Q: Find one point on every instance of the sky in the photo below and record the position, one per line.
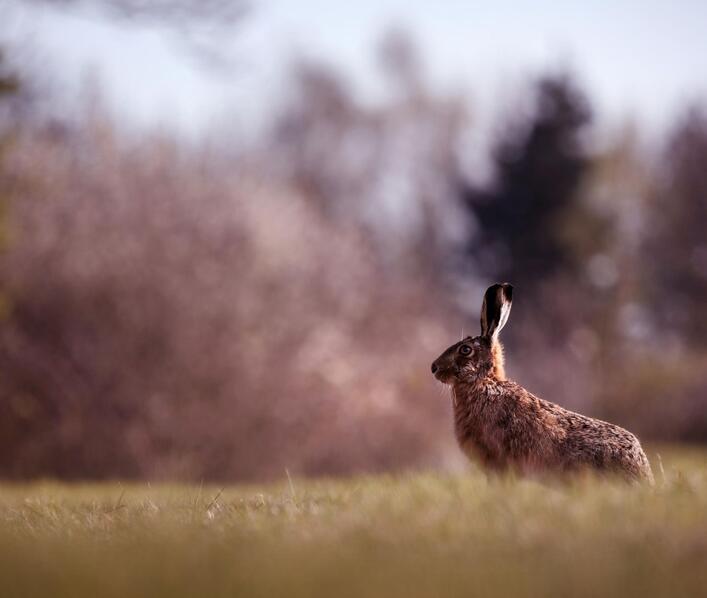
(640, 60)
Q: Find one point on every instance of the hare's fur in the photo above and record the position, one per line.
(503, 426)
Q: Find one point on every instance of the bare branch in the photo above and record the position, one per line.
(204, 28)
(176, 13)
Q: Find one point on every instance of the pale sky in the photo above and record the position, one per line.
(636, 59)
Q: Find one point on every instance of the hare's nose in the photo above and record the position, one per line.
(434, 368)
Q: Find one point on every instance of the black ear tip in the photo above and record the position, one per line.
(506, 290)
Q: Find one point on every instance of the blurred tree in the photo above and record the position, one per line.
(677, 245)
(179, 13)
(314, 134)
(539, 167)
(9, 88)
(9, 83)
(203, 27)
(391, 166)
(400, 62)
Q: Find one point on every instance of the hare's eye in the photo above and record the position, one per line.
(465, 349)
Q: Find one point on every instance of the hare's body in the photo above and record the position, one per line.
(502, 425)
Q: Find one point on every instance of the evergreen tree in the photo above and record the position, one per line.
(677, 243)
(539, 167)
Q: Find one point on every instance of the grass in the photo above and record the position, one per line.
(421, 534)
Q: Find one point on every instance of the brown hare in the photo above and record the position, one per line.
(504, 426)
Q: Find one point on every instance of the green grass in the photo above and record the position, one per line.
(408, 535)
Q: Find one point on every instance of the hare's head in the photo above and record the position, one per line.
(479, 356)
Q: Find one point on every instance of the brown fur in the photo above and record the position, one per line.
(499, 360)
(504, 426)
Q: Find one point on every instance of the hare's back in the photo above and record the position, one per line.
(602, 446)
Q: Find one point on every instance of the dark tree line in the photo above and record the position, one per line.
(677, 245)
(539, 166)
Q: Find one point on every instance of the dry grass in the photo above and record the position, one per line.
(408, 535)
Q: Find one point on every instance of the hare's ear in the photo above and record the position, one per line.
(495, 309)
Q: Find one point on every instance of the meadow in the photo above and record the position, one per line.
(411, 534)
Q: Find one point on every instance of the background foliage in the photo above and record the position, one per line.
(227, 309)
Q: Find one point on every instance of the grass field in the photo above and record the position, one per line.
(407, 535)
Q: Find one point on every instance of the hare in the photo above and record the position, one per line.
(506, 427)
